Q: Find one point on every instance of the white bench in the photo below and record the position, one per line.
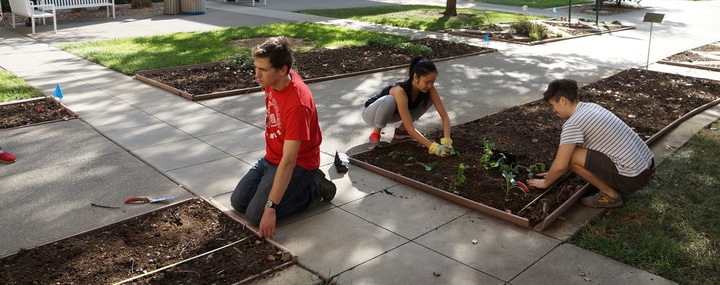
(32, 11)
(74, 4)
(253, 1)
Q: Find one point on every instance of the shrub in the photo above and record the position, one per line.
(530, 29)
(404, 47)
(240, 60)
(414, 49)
(382, 42)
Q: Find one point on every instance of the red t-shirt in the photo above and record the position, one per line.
(290, 114)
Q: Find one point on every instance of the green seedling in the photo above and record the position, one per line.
(492, 159)
(428, 166)
(461, 174)
(395, 154)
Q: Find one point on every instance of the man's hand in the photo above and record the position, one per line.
(439, 150)
(538, 183)
(267, 224)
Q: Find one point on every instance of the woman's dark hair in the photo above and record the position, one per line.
(420, 66)
(278, 50)
(567, 88)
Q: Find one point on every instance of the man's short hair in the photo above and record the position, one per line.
(278, 50)
(567, 88)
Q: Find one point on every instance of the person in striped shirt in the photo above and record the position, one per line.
(597, 146)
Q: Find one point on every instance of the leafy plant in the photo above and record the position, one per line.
(428, 166)
(531, 29)
(461, 174)
(404, 47)
(395, 154)
(243, 59)
(414, 49)
(493, 159)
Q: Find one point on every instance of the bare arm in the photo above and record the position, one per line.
(401, 100)
(560, 166)
(440, 107)
(280, 184)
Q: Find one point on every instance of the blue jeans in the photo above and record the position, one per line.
(253, 190)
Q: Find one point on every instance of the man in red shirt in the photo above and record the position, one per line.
(286, 180)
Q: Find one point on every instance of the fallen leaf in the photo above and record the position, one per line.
(437, 274)
(474, 241)
(39, 107)
(271, 257)
(587, 279)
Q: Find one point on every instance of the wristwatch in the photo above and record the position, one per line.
(271, 204)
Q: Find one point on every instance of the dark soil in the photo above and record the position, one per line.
(311, 65)
(703, 56)
(146, 243)
(29, 112)
(647, 101)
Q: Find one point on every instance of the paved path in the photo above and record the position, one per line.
(136, 139)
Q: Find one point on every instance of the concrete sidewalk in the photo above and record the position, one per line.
(135, 139)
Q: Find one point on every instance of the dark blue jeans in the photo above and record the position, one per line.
(251, 193)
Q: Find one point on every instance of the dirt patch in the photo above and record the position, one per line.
(647, 101)
(311, 65)
(30, 112)
(707, 56)
(147, 243)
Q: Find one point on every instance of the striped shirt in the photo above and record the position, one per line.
(594, 127)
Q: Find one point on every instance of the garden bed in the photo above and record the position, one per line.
(647, 101)
(30, 112)
(705, 57)
(558, 29)
(191, 242)
(214, 80)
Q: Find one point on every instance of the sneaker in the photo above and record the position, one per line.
(326, 187)
(6, 157)
(401, 134)
(374, 140)
(600, 200)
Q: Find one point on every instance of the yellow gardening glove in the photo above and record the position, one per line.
(447, 142)
(439, 150)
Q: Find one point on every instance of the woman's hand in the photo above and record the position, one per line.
(538, 183)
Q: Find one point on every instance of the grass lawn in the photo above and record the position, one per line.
(14, 88)
(128, 55)
(671, 227)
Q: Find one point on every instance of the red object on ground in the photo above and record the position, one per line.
(523, 186)
(7, 157)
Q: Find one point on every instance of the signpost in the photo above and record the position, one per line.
(652, 18)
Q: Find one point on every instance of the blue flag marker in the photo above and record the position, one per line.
(554, 9)
(58, 92)
(487, 38)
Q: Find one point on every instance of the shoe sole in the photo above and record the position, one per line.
(606, 206)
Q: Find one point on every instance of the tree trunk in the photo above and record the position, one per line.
(138, 4)
(450, 8)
